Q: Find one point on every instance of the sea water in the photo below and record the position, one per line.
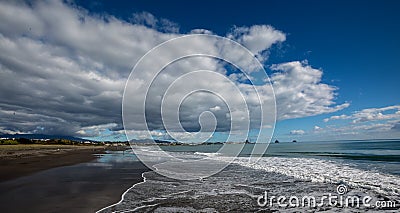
(317, 169)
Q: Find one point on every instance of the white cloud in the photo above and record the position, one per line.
(378, 123)
(95, 130)
(149, 20)
(377, 130)
(371, 114)
(297, 132)
(216, 108)
(257, 38)
(145, 18)
(201, 31)
(336, 117)
(300, 93)
(65, 71)
(317, 128)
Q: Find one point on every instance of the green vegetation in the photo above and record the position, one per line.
(44, 142)
(8, 142)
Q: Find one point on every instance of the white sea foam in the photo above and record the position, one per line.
(311, 169)
(208, 154)
(324, 171)
(245, 180)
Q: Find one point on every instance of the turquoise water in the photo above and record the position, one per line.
(384, 150)
(378, 155)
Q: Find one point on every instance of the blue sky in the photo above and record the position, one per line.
(354, 44)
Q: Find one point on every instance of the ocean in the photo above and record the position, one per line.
(328, 176)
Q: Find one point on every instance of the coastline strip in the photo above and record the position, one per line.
(123, 195)
(22, 160)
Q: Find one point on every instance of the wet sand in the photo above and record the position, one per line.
(20, 160)
(82, 187)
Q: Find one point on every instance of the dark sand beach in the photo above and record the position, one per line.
(64, 179)
(20, 160)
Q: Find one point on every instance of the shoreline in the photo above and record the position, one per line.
(122, 197)
(67, 180)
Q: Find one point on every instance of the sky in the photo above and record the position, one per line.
(333, 66)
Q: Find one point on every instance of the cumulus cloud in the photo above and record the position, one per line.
(300, 93)
(257, 38)
(63, 71)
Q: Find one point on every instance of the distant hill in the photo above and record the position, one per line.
(42, 136)
(150, 141)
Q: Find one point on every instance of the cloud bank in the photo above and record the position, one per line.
(63, 70)
(379, 122)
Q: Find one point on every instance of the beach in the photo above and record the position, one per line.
(64, 178)
(116, 181)
(207, 106)
(20, 160)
